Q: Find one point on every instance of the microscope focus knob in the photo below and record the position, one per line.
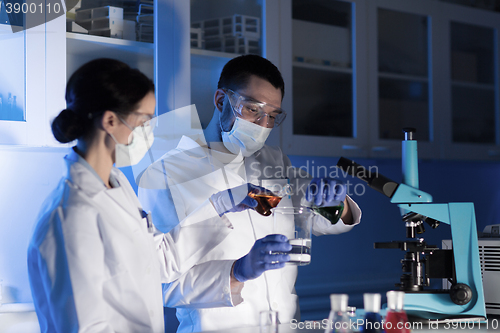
(460, 294)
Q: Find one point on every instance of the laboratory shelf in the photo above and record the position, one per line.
(394, 76)
(209, 53)
(5, 28)
(473, 85)
(17, 307)
(78, 43)
(81, 48)
(335, 69)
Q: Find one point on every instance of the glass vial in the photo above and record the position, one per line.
(396, 320)
(338, 320)
(373, 321)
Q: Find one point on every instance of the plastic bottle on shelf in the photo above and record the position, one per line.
(9, 103)
(338, 320)
(396, 320)
(373, 321)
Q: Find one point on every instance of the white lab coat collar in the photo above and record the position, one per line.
(82, 175)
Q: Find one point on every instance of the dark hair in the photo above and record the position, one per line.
(99, 85)
(236, 73)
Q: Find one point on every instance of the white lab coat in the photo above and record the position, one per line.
(178, 183)
(93, 265)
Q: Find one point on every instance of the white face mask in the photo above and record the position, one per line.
(131, 154)
(246, 137)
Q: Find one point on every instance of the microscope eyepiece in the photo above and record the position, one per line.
(409, 131)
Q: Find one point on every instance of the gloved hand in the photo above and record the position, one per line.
(261, 257)
(322, 191)
(235, 199)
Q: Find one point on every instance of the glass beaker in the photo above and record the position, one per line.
(296, 224)
(267, 200)
(269, 321)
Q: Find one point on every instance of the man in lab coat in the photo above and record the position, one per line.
(229, 154)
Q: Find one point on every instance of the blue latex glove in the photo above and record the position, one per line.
(322, 191)
(262, 258)
(235, 199)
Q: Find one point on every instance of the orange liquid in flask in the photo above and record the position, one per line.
(265, 202)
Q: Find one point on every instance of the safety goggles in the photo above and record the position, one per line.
(148, 123)
(252, 110)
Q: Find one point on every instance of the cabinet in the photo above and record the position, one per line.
(426, 64)
(327, 66)
(401, 45)
(12, 86)
(355, 73)
(471, 98)
(35, 71)
(45, 56)
(322, 70)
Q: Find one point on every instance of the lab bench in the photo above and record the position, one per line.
(16, 307)
(18, 317)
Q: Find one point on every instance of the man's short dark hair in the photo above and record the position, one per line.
(236, 73)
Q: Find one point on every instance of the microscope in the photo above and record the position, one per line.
(421, 262)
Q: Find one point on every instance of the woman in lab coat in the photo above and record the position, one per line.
(95, 261)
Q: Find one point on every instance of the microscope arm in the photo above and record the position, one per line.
(375, 180)
(398, 193)
(405, 194)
